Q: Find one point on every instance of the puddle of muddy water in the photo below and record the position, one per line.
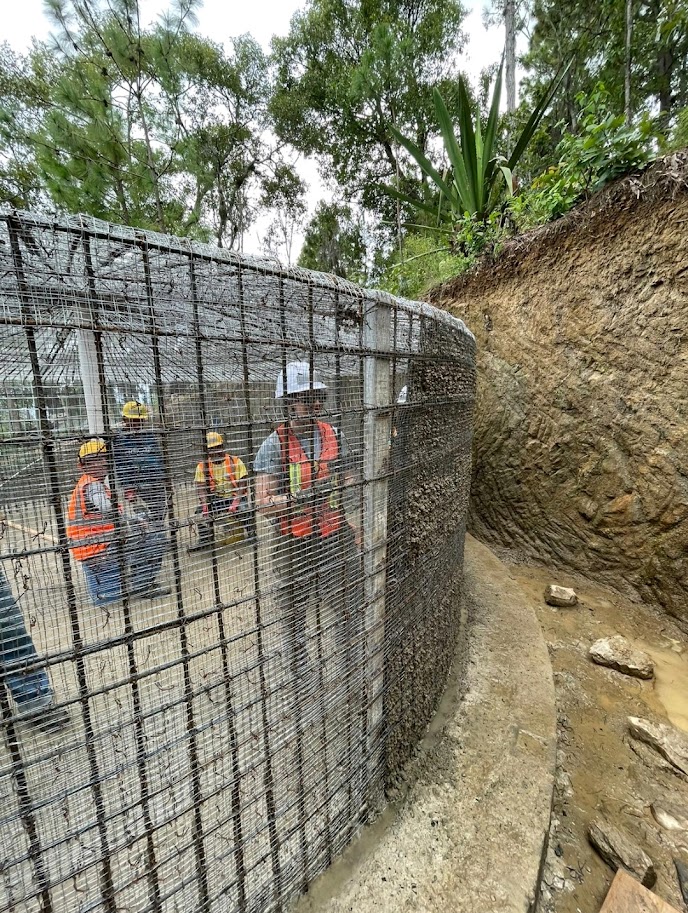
(671, 681)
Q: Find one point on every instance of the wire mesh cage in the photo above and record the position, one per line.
(232, 512)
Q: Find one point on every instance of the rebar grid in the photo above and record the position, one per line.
(202, 712)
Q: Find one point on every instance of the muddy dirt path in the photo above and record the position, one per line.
(601, 769)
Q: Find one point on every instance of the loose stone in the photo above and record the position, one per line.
(617, 653)
(620, 852)
(560, 596)
(670, 743)
(669, 817)
(682, 875)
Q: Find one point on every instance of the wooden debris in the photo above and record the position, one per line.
(627, 895)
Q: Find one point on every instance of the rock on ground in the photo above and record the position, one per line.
(669, 817)
(670, 743)
(620, 852)
(682, 875)
(560, 596)
(618, 653)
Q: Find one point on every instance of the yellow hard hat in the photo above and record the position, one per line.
(95, 447)
(134, 410)
(213, 439)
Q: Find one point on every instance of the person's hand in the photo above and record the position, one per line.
(323, 489)
(233, 507)
(204, 510)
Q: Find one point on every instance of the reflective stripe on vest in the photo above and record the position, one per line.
(84, 524)
(297, 470)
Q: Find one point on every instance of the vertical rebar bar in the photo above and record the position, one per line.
(226, 673)
(268, 777)
(48, 447)
(291, 612)
(319, 589)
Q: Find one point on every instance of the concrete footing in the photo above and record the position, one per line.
(468, 834)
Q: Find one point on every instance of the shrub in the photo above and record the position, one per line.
(605, 148)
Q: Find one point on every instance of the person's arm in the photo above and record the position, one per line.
(268, 499)
(201, 488)
(96, 496)
(240, 493)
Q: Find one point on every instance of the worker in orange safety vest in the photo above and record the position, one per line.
(91, 530)
(304, 470)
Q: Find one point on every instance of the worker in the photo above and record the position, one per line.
(222, 487)
(303, 470)
(25, 679)
(92, 531)
(139, 463)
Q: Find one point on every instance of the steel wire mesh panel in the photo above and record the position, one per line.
(232, 511)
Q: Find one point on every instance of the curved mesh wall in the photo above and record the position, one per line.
(225, 627)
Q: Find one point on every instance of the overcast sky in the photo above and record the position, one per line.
(222, 19)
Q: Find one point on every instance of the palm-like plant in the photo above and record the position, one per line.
(477, 176)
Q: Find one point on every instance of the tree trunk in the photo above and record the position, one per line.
(510, 53)
(628, 111)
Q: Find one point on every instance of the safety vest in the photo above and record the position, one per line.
(327, 517)
(84, 524)
(231, 466)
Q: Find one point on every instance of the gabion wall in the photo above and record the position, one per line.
(217, 645)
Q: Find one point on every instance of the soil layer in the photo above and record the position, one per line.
(581, 438)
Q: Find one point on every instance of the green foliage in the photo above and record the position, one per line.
(604, 148)
(425, 263)
(153, 127)
(20, 183)
(348, 70)
(478, 176)
(593, 35)
(679, 135)
(334, 243)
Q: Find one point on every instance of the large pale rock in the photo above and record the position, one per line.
(620, 852)
(560, 596)
(617, 653)
(670, 817)
(669, 742)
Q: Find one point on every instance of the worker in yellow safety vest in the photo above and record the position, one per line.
(304, 469)
(222, 488)
(91, 530)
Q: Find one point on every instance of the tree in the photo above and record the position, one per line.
(349, 70)
(20, 182)
(334, 243)
(284, 195)
(154, 127)
(642, 61)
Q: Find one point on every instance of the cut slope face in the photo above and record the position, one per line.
(581, 440)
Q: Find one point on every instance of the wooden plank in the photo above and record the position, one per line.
(627, 895)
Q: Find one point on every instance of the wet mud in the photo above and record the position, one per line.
(600, 768)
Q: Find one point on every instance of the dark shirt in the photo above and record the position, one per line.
(139, 465)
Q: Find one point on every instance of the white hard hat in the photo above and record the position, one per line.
(298, 380)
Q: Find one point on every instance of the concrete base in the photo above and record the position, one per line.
(468, 834)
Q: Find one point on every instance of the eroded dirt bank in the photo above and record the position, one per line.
(581, 440)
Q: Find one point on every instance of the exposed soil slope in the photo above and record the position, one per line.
(581, 443)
